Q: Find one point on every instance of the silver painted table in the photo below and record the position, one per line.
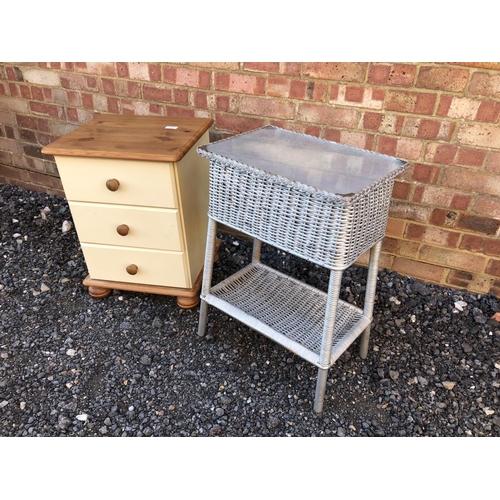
(319, 200)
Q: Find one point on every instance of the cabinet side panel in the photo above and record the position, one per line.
(193, 178)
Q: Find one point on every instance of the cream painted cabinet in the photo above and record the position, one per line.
(138, 195)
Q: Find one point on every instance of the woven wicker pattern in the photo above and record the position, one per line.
(327, 229)
(294, 310)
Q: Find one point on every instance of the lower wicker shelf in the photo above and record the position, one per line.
(286, 310)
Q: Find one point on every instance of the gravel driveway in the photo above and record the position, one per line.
(132, 364)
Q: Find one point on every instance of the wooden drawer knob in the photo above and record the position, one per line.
(112, 184)
(132, 269)
(122, 229)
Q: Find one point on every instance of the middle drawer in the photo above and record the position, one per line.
(127, 226)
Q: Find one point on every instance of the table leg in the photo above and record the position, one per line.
(257, 244)
(207, 274)
(371, 284)
(327, 340)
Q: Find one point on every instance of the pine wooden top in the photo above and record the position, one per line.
(132, 137)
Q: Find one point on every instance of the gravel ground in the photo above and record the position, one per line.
(132, 364)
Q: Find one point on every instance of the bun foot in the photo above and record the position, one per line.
(188, 302)
(99, 293)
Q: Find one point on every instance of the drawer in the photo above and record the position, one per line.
(141, 183)
(154, 228)
(154, 267)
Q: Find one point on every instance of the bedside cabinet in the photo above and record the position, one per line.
(138, 195)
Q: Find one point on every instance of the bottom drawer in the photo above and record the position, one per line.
(153, 267)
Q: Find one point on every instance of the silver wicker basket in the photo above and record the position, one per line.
(328, 228)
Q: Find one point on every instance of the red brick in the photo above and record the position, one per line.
(493, 267)
(432, 235)
(395, 227)
(37, 93)
(334, 92)
(493, 162)
(328, 115)
(26, 122)
(347, 72)
(480, 244)
(226, 103)
(87, 101)
(473, 181)
(181, 96)
(113, 105)
(72, 114)
(478, 224)
(122, 69)
(237, 123)
(453, 259)
(401, 190)
(263, 67)
(470, 157)
(157, 93)
(444, 105)
(427, 272)
(372, 121)
(485, 84)
(108, 86)
(443, 218)
(438, 78)
(154, 72)
(199, 100)
(267, 107)
(487, 205)
(410, 102)
(354, 94)
(399, 75)
(280, 87)
(298, 89)
(387, 145)
(489, 111)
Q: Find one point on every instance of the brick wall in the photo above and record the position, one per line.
(443, 117)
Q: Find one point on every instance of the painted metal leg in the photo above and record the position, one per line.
(371, 285)
(320, 390)
(328, 337)
(257, 244)
(207, 274)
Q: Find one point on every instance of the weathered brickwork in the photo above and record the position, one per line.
(444, 223)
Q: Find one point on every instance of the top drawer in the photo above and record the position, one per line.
(142, 183)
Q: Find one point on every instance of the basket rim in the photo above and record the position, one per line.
(305, 188)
